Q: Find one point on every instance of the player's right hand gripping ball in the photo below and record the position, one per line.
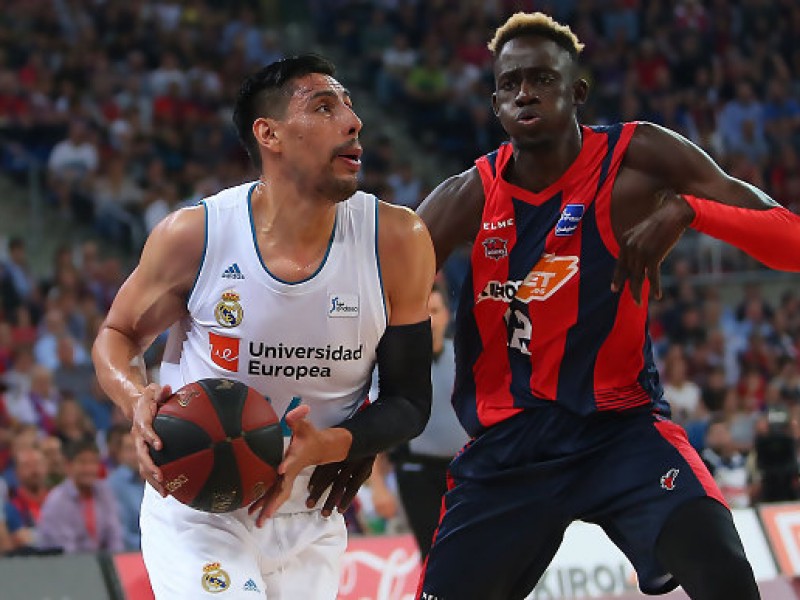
(222, 443)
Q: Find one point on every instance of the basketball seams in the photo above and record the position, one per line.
(222, 444)
(227, 398)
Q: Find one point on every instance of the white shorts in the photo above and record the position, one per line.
(191, 554)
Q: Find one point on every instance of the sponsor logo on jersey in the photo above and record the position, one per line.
(570, 218)
(250, 586)
(233, 272)
(283, 360)
(544, 280)
(214, 579)
(224, 351)
(494, 226)
(495, 248)
(229, 312)
(668, 479)
(343, 305)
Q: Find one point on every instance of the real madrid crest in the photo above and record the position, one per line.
(228, 312)
(214, 579)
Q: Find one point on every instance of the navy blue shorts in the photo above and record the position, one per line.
(514, 490)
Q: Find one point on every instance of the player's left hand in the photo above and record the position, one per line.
(308, 447)
(343, 478)
(644, 246)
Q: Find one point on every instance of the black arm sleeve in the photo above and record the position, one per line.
(403, 406)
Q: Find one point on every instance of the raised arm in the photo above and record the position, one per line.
(150, 300)
(695, 192)
(679, 165)
(452, 212)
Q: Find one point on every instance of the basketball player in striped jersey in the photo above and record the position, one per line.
(555, 377)
(295, 284)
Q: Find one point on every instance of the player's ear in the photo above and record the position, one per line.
(494, 104)
(580, 91)
(266, 135)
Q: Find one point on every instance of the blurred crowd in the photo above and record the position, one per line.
(123, 109)
(724, 73)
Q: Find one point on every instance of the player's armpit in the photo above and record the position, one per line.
(771, 236)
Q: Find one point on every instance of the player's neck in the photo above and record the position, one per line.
(293, 233)
(290, 217)
(537, 167)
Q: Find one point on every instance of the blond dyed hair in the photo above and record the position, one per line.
(537, 23)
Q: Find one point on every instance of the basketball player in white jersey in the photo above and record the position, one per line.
(295, 284)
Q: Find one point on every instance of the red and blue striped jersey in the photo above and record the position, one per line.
(537, 324)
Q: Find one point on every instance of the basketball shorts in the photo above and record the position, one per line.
(513, 491)
(191, 554)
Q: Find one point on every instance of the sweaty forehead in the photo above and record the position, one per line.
(307, 86)
(532, 52)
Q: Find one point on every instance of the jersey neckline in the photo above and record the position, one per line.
(261, 258)
(542, 196)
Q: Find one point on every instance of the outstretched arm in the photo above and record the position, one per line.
(710, 201)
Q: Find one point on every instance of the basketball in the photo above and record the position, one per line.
(222, 443)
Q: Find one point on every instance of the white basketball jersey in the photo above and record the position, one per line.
(311, 342)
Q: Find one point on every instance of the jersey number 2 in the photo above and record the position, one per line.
(519, 330)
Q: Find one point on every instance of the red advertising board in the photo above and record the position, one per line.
(380, 568)
(373, 568)
(133, 577)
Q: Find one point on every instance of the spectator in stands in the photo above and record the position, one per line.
(682, 394)
(23, 436)
(80, 514)
(71, 376)
(54, 457)
(397, 62)
(406, 185)
(128, 487)
(744, 108)
(72, 424)
(425, 89)
(20, 286)
(26, 498)
(39, 405)
(46, 347)
(71, 164)
(727, 464)
(117, 203)
(114, 438)
(6, 542)
(775, 453)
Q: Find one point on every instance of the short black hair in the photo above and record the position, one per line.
(264, 94)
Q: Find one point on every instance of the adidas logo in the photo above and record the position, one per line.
(233, 272)
(250, 586)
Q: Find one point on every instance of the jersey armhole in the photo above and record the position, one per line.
(603, 202)
(378, 264)
(190, 295)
